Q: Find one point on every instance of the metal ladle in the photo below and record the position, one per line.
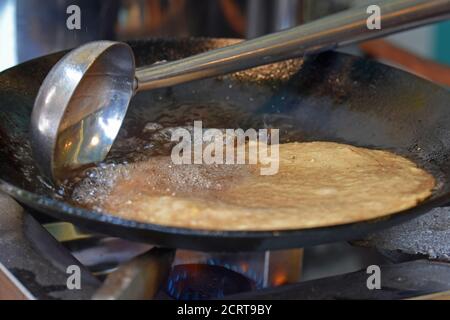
(83, 100)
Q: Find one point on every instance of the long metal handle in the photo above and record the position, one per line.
(334, 31)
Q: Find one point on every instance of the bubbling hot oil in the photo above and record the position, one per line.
(144, 167)
(154, 177)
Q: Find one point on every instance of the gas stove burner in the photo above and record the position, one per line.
(203, 282)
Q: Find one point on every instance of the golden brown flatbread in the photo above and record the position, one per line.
(318, 184)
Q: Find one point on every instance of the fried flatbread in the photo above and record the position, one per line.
(318, 184)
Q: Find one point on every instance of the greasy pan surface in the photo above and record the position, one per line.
(329, 97)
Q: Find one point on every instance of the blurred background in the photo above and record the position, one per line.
(31, 28)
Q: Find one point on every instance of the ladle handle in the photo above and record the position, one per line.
(331, 32)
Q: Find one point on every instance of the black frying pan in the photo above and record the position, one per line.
(331, 97)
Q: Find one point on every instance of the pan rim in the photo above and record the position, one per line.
(104, 217)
